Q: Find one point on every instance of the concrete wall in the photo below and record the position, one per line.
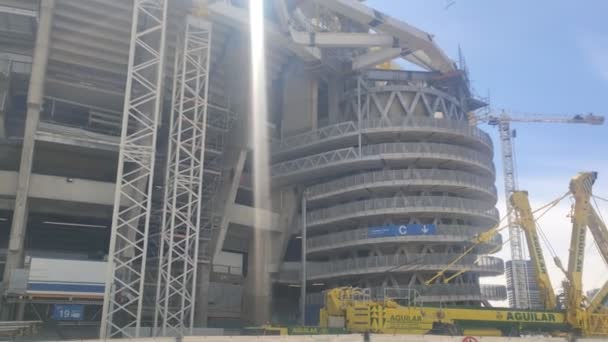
(300, 101)
(60, 188)
(245, 215)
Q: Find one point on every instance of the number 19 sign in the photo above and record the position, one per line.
(68, 312)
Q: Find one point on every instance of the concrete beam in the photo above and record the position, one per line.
(60, 188)
(239, 18)
(245, 216)
(229, 200)
(341, 39)
(14, 258)
(64, 135)
(374, 58)
(424, 51)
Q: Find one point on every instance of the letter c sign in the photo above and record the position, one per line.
(403, 230)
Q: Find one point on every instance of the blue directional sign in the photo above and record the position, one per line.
(401, 230)
(68, 312)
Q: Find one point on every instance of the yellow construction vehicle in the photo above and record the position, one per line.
(354, 310)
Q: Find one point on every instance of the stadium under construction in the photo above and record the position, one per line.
(128, 145)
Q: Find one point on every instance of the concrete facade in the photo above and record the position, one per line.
(367, 150)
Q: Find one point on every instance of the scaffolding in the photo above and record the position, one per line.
(123, 299)
(181, 223)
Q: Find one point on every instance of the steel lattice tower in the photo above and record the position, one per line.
(184, 183)
(124, 287)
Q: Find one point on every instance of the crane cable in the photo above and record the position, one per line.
(541, 233)
(449, 265)
(498, 228)
(600, 198)
(599, 213)
(597, 207)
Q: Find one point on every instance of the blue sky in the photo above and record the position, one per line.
(538, 56)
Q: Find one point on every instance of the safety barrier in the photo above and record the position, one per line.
(433, 151)
(357, 236)
(402, 205)
(368, 126)
(401, 263)
(403, 177)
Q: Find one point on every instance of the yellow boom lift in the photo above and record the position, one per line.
(354, 310)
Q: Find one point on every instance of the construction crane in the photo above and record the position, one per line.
(354, 309)
(525, 219)
(503, 121)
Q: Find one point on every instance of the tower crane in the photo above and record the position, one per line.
(502, 120)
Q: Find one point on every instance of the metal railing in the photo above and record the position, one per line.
(324, 133)
(329, 241)
(430, 177)
(228, 269)
(431, 293)
(380, 151)
(425, 123)
(348, 128)
(402, 263)
(487, 265)
(434, 150)
(403, 204)
(79, 115)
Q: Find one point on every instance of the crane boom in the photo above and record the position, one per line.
(502, 120)
(589, 119)
(600, 235)
(525, 219)
(580, 187)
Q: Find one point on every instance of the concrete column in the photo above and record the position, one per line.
(300, 100)
(15, 253)
(258, 285)
(226, 197)
(5, 73)
(334, 89)
(201, 308)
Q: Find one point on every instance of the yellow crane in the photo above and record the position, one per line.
(525, 219)
(502, 120)
(354, 310)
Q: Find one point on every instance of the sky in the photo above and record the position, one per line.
(541, 56)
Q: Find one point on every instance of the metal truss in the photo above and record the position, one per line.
(384, 151)
(520, 291)
(184, 188)
(123, 299)
(341, 129)
(377, 102)
(315, 161)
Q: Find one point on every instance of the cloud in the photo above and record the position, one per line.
(595, 50)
